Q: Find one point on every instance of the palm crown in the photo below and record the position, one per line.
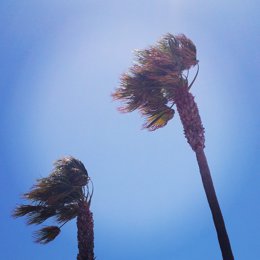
(59, 196)
(151, 83)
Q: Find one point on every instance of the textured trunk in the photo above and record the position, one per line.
(194, 132)
(85, 227)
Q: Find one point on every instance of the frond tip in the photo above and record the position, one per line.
(46, 234)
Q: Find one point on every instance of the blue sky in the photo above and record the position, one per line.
(60, 62)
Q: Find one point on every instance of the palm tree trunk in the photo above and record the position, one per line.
(194, 133)
(214, 206)
(85, 227)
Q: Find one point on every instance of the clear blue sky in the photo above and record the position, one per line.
(59, 63)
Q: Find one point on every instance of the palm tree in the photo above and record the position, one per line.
(154, 84)
(63, 195)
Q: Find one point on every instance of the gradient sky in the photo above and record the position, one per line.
(59, 63)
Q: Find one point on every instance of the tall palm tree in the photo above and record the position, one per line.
(63, 195)
(154, 84)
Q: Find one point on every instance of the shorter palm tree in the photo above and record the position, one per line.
(63, 196)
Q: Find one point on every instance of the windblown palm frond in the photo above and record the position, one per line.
(46, 234)
(35, 214)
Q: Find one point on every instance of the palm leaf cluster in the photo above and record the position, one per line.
(151, 83)
(56, 196)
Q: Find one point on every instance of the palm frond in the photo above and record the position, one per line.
(38, 217)
(46, 234)
(36, 214)
(46, 194)
(23, 210)
(159, 119)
